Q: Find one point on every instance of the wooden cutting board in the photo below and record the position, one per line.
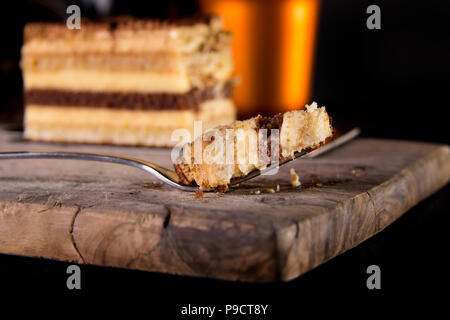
(111, 215)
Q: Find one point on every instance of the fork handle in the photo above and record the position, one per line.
(162, 174)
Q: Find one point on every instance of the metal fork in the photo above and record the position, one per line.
(167, 176)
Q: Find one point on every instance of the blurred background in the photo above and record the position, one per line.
(393, 83)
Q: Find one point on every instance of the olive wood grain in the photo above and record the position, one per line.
(107, 214)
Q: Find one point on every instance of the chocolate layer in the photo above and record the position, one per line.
(269, 123)
(128, 100)
(181, 175)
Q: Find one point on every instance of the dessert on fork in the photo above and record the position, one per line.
(235, 150)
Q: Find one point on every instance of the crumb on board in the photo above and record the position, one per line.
(295, 182)
(278, 188)
(198, 194)
(356, 173)
(270, 190)
(258, 192)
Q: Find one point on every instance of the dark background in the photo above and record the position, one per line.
(393, 83)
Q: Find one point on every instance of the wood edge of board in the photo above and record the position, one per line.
(304, 249)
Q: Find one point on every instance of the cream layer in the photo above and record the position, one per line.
(156, 62)
(109, 81)
(151, 73)
(120, 81)
(101, 125)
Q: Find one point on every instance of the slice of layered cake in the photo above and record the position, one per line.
(125, 80)
(235, 150)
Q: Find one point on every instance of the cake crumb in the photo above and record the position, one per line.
(198, 194)
(295, 182)
(270, 190)
(257, 192)
(319, 185)
(278, 188)
(356, 173)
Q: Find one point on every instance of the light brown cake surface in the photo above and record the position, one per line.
(242, 151)
(127, 35)
(128, 74)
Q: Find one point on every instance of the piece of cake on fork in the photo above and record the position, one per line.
(235, 150)
(126, 81)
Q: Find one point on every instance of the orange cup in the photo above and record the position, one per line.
(273, 49)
